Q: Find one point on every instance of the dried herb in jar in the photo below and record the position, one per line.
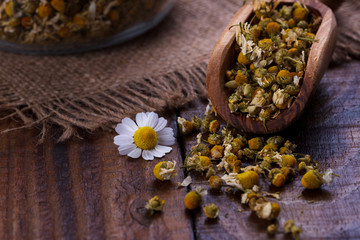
(53, 21)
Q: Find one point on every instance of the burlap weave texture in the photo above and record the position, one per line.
(164, 68)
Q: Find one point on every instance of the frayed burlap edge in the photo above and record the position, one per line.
(102, 109)
(105, 108)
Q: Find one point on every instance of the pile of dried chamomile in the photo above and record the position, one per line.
(271, 54)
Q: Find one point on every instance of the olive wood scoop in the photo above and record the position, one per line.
(223, 57)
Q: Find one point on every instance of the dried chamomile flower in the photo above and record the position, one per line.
(217, 152)
(266, 163)
(278, 180)
(193, 199)
(271, 229)
(248, 179)
(202, 163)
(211, 211)
(281, 99)
(312, 180)
(155, 204)
(214, 126)
(267, 210)
(284, 77)
(201, 148)
(302, 167)
(236, 145)
(307, 159)
(185, 126)
(250, 154)
(196, 122)
(255, 168)
(230, 157)
(214, 139)
(290, 227)
(288, 172)
(190, 162)
(243, 59)
(165, 170)
(272, 28)
(256, 143)
(44, 10)
(215, 182)
(232, 180)
(260, 205)
(210, 172)
(269, 147)
(290, 146)
(209, 109)
(232, 85)
(288, 161)
(300, 14)
(235, 167)
(58, 5)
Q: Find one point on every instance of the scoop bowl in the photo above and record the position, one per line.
(222, 59)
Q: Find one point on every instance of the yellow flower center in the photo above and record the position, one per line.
(145, 138)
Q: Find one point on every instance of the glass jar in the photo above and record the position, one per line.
(68, 26)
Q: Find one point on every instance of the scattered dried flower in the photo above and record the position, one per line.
(165, 170)
(290, 227)
(215, 182)
(193, 199)
(211, 211)
(155, 204)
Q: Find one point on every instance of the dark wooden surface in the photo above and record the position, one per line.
(83, 189)
(222, 59)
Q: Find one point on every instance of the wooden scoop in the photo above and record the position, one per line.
(223, 57)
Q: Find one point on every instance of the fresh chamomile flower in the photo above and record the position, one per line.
(148, 137)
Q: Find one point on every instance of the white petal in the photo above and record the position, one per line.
(166, 136)
(166, 141)
(163, 149)
(123, 140)
(135, 153)
(187, 181)
(124, 129)
(147, 155)
(141, 119)
(126, 149)
(157, 153)
(161, 124)
(166, 131)
(152, 120)
(130, 123)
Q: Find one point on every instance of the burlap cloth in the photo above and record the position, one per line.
(164, 68)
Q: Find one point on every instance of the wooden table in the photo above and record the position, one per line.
(83, 189)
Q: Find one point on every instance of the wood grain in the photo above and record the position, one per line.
(223, 56)
(83, 189)
(329, 131)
